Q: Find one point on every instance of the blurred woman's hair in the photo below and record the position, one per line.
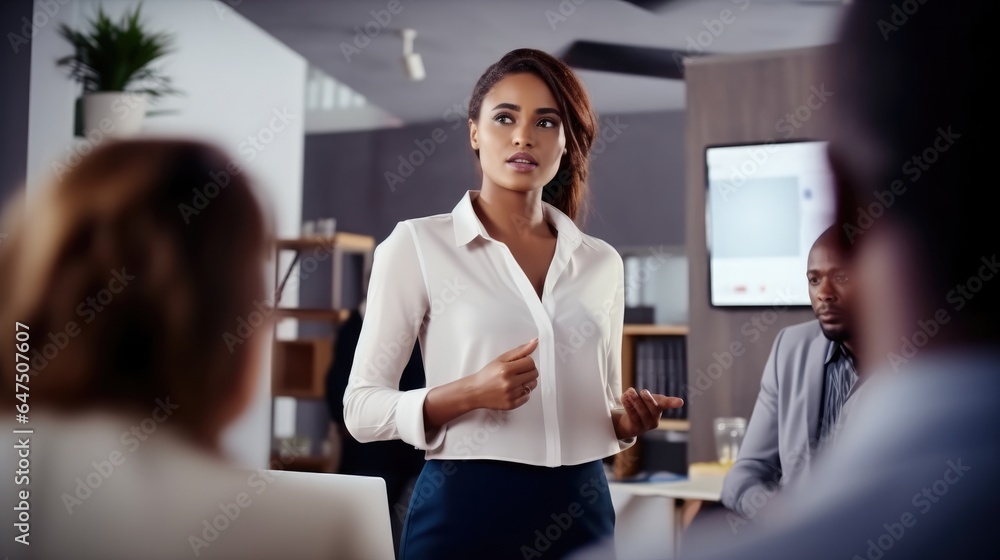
(129, 282)
(568, 190)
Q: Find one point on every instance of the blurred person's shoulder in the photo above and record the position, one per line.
(937, 399)
(114, 487)
(918, 450)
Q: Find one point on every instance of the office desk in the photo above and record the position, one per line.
(685, 499)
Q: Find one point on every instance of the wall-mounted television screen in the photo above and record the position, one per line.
(766, 204)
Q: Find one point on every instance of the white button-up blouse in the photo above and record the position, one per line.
(443, 280)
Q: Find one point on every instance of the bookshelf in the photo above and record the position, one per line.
(299, 366)
(628, 462)
(322, 248)
(306, 314)
(674, 425)
(301, 463)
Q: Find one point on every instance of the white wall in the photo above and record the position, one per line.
(235, 79)
(50, 110)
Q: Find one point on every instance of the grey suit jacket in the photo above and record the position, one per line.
(781, 437)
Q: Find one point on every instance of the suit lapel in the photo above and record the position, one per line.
(815, 376)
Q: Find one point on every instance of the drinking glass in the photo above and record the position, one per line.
(327, 227)
(729, 434)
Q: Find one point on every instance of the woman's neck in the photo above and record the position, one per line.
(508, 214)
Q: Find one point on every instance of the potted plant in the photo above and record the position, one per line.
(114, 63)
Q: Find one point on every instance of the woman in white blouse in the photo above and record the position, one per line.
(519, 317)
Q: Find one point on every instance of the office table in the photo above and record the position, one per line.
(685, 498)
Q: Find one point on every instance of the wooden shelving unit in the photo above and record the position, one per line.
(627, 462)
(307, 314)
(300, 366)
(674, 425)
(316, 464)
(324, 247)
(347, 241)
(647, 330)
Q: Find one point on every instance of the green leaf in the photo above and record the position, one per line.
(110, 56)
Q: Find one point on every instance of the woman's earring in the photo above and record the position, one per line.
(565, 151)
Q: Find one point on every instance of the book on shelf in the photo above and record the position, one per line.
(676, 365)
(661, 368)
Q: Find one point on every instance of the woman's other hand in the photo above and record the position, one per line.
(642, 412)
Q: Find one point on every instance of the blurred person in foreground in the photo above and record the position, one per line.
(912, 473)
(913, 470)
(127, 303)
(807, 379)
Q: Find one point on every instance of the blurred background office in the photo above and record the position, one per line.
(351, 116)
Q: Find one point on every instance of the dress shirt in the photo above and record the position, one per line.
(444, 281)
(838, 382)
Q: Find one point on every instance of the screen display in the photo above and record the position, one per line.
(766, 205)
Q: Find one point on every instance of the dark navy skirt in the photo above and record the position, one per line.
(481, 509)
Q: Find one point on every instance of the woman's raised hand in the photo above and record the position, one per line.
(506, 382)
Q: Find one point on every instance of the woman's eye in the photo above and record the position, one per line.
(547, 123)
(503, 119)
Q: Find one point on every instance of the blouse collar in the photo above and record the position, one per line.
(467, 224)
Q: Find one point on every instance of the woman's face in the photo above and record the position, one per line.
(519, 134)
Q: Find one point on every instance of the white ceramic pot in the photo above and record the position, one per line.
(114, 113)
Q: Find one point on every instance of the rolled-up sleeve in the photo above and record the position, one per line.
(374, 407)
(616, 319)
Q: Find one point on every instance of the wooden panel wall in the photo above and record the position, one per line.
(738, 99)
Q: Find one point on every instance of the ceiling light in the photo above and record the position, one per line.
(412, 61)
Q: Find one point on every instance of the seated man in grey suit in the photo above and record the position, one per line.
(808, 376)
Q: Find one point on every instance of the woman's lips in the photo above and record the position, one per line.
(522, 162)
(521, 166)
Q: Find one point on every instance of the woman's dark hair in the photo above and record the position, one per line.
(129, 272)
(568, 190)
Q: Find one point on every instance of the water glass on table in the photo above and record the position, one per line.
(729, 434)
